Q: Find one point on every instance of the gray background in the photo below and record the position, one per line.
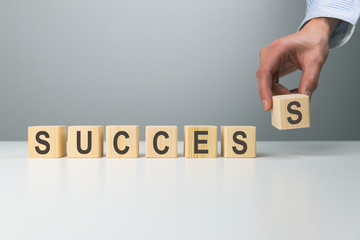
(151, 62)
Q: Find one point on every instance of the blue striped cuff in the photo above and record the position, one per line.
(348, 14)
(341, 34)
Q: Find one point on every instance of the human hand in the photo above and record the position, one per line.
(306, 50)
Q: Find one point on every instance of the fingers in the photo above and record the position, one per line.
(278, 89)
(267, 74)
(295, 90)
(265, 84)
(302, 50)
(311, 68)
(310, 78)
(287, 68)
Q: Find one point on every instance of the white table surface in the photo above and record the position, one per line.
(292, 190)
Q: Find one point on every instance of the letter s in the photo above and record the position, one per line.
(293, 111)
(44, 142)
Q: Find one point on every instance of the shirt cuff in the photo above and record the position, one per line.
(341, 34)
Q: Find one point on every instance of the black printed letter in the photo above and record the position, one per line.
(78, 143)
(117, 135)
(241, 142)
(47, 145)
(197, 141)
(157, 150)
(293, 111)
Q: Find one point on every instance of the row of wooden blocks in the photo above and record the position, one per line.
(288, 112)
(123, 141)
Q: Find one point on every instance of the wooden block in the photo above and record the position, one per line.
(122, 141)
(85, 141)
(200, 141)
(238, 141)
(46, 141)
(291, 111)
(161, 141)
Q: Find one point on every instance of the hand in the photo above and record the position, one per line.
(306, 50)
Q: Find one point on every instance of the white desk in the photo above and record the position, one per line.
(293, 190)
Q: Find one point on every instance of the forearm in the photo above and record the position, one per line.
(322, 26)
(347, 11)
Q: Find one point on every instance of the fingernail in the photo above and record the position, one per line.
(265, 104)
(307, 92)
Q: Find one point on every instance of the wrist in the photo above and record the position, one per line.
(323, 26)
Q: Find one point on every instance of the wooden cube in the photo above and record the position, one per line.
(46, 141)
(161, 141)
(238, 141)
(122, 141)
(85, 141)
(200, 141)
(291, 111)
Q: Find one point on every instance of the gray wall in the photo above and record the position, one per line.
(159, 62)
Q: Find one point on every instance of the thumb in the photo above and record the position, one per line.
(309, 79)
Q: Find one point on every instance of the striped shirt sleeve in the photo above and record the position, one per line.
(347, 11)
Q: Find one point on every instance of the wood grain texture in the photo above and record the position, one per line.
(291, 111)
(161, 141)
(55, 136)
(238, 141)
(122, 141)
(200, 141)
(95, 150)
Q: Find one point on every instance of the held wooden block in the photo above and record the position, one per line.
(238, 141)
(200, 141)
(161, 141)
(46, 141)
(291, 111)
(85, 141)
(122, 141)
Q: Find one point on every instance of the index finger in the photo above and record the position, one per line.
(269, 65)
